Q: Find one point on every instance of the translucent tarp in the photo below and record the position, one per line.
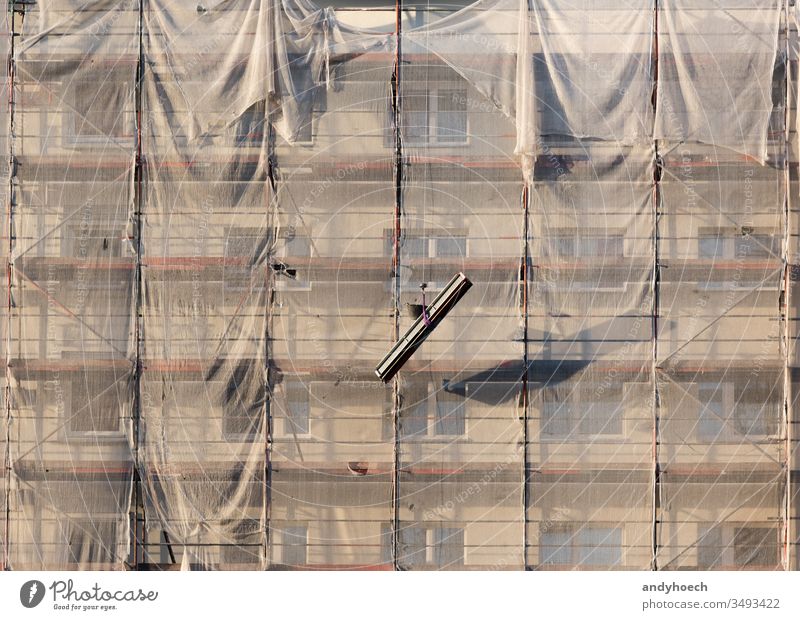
(72, 354)
(715, 62)
(332, 316)
(220, 218)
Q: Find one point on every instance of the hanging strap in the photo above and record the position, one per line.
(425, 318)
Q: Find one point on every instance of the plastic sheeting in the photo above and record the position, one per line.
(217, 219)
(71, 354)
(716, 62)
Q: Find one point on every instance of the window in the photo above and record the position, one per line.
(413, 546)
(752, 245)
(294, 549)
(250, 130)
(600, 546)
(436, 413)
(742, 243)
(722, 545)
(450, 418)
(425, 244)
(92, 540)
(294, 243)
(711, 246)
(243, 242)
(243, 406)
(101, 107)
(555, 547)
(93, 242)
(447, 546)
(434, 116)
(571, 544)
(96, 406)
(581, 411)
(755, 546)
(586, 243)
(758, 407)
(711, 423)
(245, 546)
(241, 246)
(749, 406)
(296, 409)
(414, 416)
(709, 547)
(438, 546)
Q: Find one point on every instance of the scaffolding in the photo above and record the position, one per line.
(217, 219)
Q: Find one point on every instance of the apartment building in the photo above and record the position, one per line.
(201, 280)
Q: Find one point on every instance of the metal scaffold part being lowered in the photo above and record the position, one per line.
(431, 316)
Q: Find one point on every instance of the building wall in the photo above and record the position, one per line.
(195, 309)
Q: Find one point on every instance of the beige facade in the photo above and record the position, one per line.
(196, 300)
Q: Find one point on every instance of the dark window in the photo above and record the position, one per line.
(414, 247)
(241, 417)
(582, 410)
(243, 242)
(750, 245)
(450, 413)
(244, 548)
(413, 546)
(414, 122)
(710, 548)
(434, 116)
(92, 540)
(414, 413)
(600, 546)
(585, 244)
(570, 544)
(711, 422)
(419, 244)
(250, 130)
(99, 105)
(711, 246)
(96, 406)
(451, 116)
(448, 546)
(758, 406)
(555, 546)
(93, 243)
(455, 246)
(297, 409)
(755, 546)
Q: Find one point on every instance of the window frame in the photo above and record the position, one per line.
(728, 241)
(729, 420)
(92, 522)
(431, 138)
(71, 433)
(71, 112)
(426, 549)
(573, 433)
(284, 429)
(574, 544)
(428, 432)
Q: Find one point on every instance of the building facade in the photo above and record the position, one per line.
(217, 218)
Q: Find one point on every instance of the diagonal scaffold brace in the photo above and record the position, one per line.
(431, 316)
